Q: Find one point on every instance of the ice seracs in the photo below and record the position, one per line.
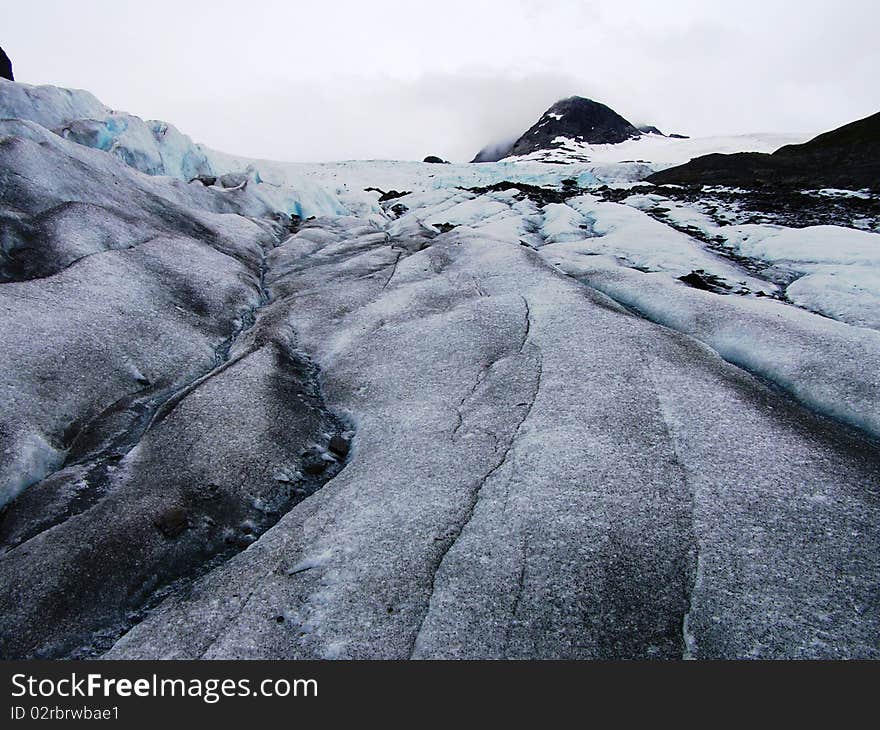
(152, 147)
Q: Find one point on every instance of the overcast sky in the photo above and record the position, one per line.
(339, 79)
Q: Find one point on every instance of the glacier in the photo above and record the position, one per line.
(389, 409)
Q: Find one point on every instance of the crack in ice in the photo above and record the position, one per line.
(458, 528)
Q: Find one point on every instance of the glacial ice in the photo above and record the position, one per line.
(553, 465)
(560, 449)
(827, 269)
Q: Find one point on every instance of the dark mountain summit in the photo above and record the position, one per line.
(575, 118)
(848, 157)
(5, 66)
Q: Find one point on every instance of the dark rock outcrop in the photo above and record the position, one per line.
(339, 445)
(848, 157)
(575, 118)
(435, 160)
(5, 66)
(206, 180)
(390, 195)
(649, 129)
(700, 279)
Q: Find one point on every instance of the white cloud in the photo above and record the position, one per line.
(299, 80)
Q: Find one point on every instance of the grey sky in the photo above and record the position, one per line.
(392, 79)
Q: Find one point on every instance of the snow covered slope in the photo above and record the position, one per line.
(512, 409)
(657, 152)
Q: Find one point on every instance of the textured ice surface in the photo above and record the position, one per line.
(538, 473)
(831, 366)
(640, 242)
(560, 449)
(827, 269)
(150, 391)
(127, 279)
(838, 268)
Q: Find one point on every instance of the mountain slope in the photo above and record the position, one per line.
(848, 157)
(575, 118)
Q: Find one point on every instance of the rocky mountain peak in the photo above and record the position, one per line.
(575, 118)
